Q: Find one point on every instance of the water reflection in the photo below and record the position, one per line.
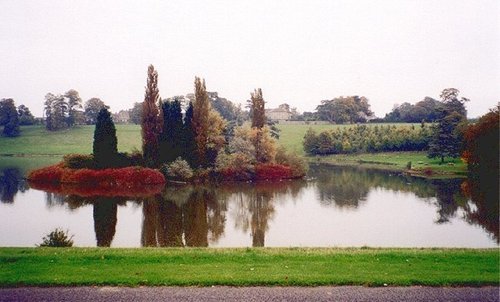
(11, 181)
(197, 216)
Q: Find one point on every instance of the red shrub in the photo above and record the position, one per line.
(232, 174)
(86, 190)
(126, 177)
(50, 174)
(272, 172)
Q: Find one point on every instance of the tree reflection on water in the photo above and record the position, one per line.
(188, 215)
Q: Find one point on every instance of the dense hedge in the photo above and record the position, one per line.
(362, 138)
(123, 177)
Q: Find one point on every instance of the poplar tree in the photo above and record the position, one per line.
(258, 111)
(151, 121)
(200, 121)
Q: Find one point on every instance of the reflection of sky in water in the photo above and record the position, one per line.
(339, 207)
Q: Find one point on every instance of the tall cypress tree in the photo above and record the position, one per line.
(171, 142)
(105, 141)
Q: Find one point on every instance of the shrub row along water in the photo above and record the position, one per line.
(362, 138)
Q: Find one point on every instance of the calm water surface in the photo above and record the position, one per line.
(332, 207)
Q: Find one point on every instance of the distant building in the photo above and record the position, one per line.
(282, 113)
(121, 117)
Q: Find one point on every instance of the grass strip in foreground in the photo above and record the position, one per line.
(247, 267)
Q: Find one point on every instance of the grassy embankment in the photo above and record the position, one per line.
(239, 267)
(35, 140)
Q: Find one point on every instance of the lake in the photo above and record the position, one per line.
(332, 207)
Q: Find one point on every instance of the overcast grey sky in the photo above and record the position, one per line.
(299, 52)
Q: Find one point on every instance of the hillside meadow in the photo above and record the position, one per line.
(37, 141)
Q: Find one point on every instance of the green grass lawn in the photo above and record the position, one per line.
(251, 266)
(35, 140)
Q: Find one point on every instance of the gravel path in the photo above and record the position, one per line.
(222, 293)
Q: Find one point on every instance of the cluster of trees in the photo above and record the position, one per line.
(11, 118)
(342, 110)
(66, 110)
(362, 138)
(444, 139)
(426, 110)
(201, 137)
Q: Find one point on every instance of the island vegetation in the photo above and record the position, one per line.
(194, 147)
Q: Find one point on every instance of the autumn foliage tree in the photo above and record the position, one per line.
(481, 144)
(208, 127)
(151, 120)
(265, 149)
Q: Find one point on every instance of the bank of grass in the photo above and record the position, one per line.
(397, 161)
(248, 267)
(36, 141)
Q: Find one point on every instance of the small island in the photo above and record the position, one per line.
(197, 145)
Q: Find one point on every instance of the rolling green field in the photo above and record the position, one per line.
(247, 267)
(35, 141)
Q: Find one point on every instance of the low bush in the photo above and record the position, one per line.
(50, 174)
(235, 167)
(79, 161)
(272, 172)
(129, 176)
(296, 163)
(89, 190)
(177, 170)
(57, 238)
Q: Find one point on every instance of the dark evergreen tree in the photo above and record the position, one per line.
(171, 136)
(105, 142)
(188, 143)
(9, 118)
(448, 133)
(447, 139)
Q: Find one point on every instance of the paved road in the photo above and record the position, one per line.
(222, 293)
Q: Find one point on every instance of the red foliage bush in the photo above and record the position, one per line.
(86, 190)
(50, 174)
(272, 172)
(123, 177)
(232, 174)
